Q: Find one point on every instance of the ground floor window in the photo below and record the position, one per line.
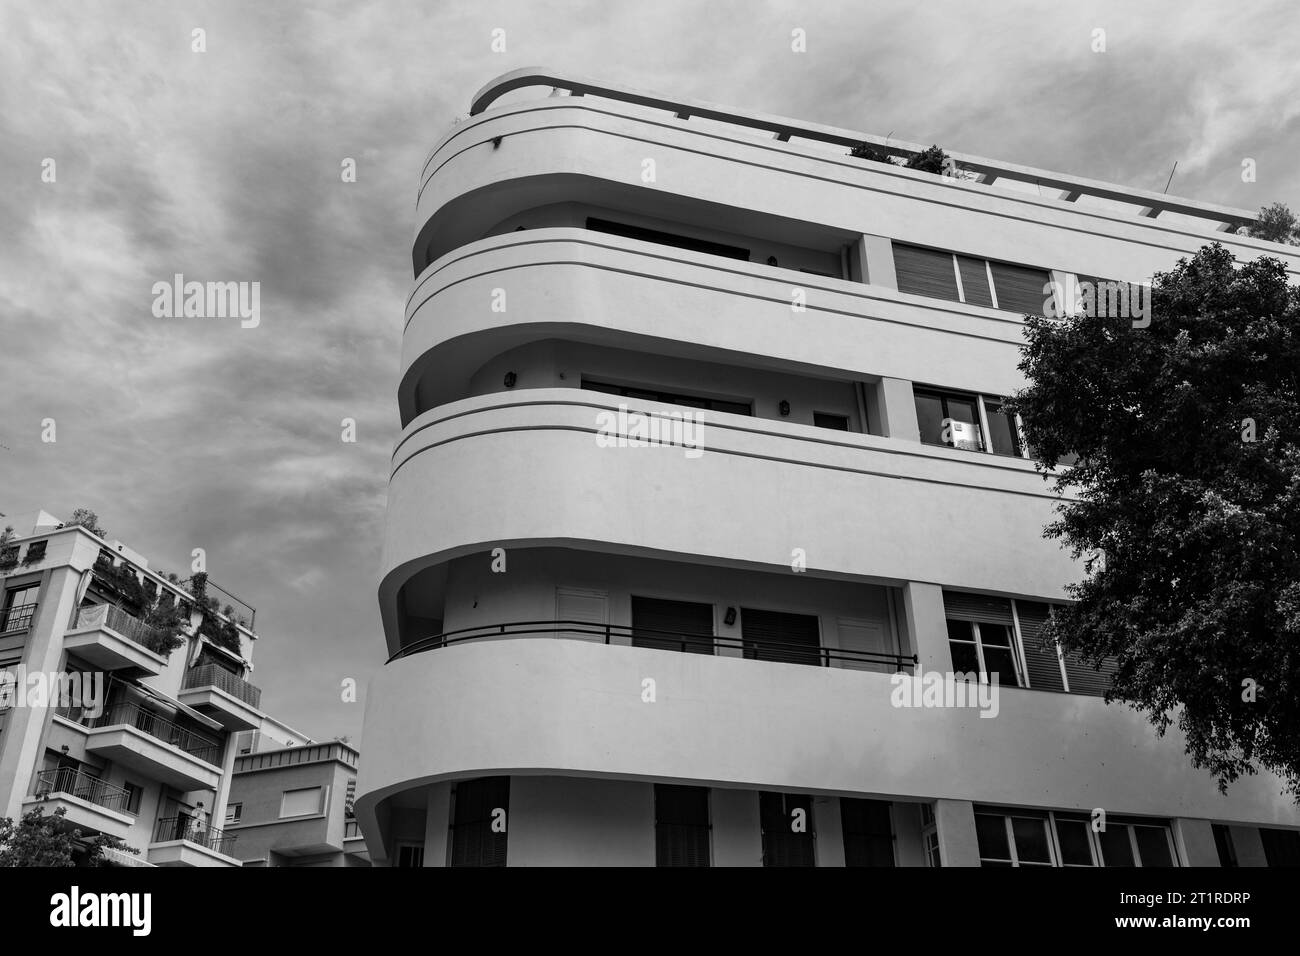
(681, 825)
(479, 822)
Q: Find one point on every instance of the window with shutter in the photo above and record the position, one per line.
(787, 824)
(1281, 847)
(672, 625)
(1042, 662)
(581, 607)
(1022, 289)
(923, 271)
(681, 825)
(1085, 678)
(981, 636)
(781, 636)
(868, 832)
(974, 281)
(476, 806)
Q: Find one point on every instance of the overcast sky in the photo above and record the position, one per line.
(225, 165)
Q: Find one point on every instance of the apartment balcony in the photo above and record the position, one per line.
(593, 287)
(156, 747)
(177, 841)
(92, 805)
(223, 696)
(110, 639)
(859, 506)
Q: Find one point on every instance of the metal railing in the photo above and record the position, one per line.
(128, 625)
(83, 786)
(160, 728)
(186, 828)
(16, 618)
(786, 652)
(213, 675)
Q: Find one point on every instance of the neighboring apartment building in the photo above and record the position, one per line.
(151, 762)
(604, 653)
(292, 805)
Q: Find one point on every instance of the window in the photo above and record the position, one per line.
(8, 684)
(134, 794)
(1223, 844)
(1281, 847)
(828, 420)
(19, 608)
(667, 238)
(780, 636)
(681, 826)
(299, 803)
(971, 279)
(930, 836)
(410, 855)
(946, 418)
(350, 799)
(672, 625)
(479, 822)
(234, 811)
(868, 832)
(1004, 436)
(670, 398)
(787, 823)
(1047, 838)
(35, 552)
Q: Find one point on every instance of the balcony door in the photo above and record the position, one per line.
(672, 625)
(780, 636)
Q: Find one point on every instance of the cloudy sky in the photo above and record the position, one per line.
(225, 165)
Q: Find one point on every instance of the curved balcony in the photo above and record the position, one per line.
(525, 469)
(564, 149)
(587, 286)
(571, 707)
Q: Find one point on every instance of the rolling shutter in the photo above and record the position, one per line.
(681, 825)
(1020, 288)
(473, 842)
(868, 832)
(1085, 679)
(1041, 661)
(782, 846)
(925, 272)
(780, 636)
(581, 607)
(974, 281)
(672, 625)
(976, 607)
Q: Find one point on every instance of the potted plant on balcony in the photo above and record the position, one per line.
(8, 552)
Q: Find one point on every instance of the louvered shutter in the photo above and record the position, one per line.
(780, 636)
(974, 281)
(868, 832)
(1020, 289)
(925, 272)
(1085, 679)
(681, 825)
(782, 846)
(473, 843)
(1041, 660)
(672, 625)
(976, 607)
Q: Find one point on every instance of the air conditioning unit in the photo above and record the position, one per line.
(963, 434)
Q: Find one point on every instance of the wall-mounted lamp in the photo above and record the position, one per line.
(730, 617)
(771, 260)
(511, 379)
(496, 142)
(785, 408)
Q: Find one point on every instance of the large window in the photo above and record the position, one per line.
(19, 608)
(868, 832)
(972, 280)
(988, 634)
(672, 625)
(681, 825)
(301, 803)
(969, 422)
(1038, 838)
(669, 398)
(479, 822)
(787, 823)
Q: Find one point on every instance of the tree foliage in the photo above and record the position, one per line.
(88, 520)
(1276, 223)
(43, 840)
(1185, 503)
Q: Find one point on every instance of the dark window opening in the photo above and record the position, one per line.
(787, 824)
(781, 637)
(829, 420)
(681, 825)
(670, 398)
(945, 418)
(1224, 845)
(868, 832)
(666, 238)
(479, 822)
(672, 625)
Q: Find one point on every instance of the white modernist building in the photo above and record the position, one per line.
(674, 504)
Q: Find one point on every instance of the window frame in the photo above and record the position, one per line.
(320, 803)
(1013, 646)
(1051, 820)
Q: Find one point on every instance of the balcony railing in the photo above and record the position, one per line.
(764, 650)
(83, 786)
(211, 675)
(160, 728)
(128, 625)
(186, 828)
(16, 618)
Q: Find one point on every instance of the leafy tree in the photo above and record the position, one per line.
(1186, 503)
(1276, 223)
(40, 840)
(88, 520)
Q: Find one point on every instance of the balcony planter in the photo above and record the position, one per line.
(8, 557)
(35, 553)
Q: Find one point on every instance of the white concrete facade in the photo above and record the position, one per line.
(506, 507)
